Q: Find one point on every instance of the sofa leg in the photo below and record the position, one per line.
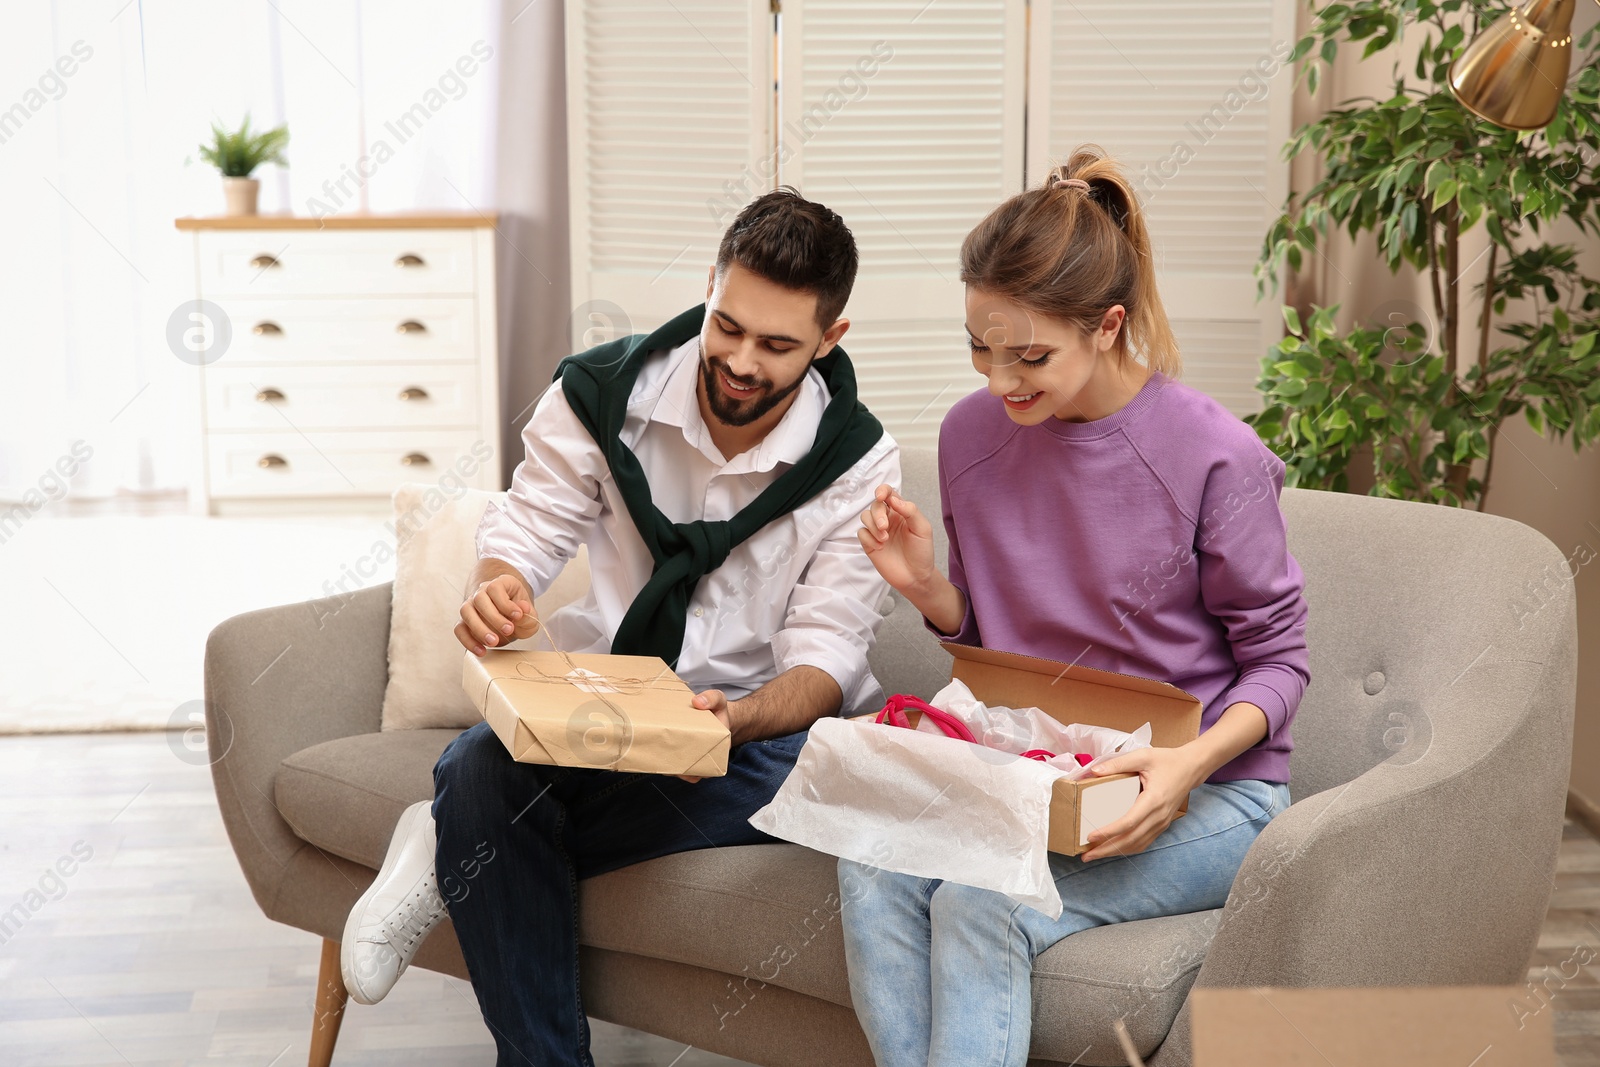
(331, 998)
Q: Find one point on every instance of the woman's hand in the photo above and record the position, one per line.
(898, 540)
(1166, 776)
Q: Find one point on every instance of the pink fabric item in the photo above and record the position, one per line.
(895, 712)
(1083, 758)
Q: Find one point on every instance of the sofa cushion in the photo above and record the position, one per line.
(771, 913)
(435, 551)
(346, 795)
(759, 913)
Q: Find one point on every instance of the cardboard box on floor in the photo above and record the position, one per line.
(620, 713)
(1074, 693)
(1411, 1026)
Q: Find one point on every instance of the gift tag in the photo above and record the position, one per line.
(589, 681)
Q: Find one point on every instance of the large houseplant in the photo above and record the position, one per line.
(1417, 170)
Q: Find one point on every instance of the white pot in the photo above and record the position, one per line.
(241, 195)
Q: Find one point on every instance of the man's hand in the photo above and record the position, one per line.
(500, 611)
(715, 701)
(1167, 775)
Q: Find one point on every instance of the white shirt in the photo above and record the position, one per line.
(800, 590)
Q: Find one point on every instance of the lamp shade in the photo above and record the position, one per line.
(1514, 73)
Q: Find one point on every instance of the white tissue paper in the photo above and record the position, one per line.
(937, 806)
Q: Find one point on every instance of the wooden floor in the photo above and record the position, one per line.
(151, 951)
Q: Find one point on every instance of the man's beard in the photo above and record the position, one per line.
(741, 412)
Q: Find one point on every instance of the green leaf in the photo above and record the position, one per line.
(1291, 318)
(1322, 323)
(1437, 172)
(1446, 192)
(1581, 346)
(1309, 429)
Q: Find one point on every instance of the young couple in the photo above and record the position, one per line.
(1098, 511)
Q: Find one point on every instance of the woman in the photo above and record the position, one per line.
(1099, 512)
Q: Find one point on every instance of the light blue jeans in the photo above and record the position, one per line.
(941, 973)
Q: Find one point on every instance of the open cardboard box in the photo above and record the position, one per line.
(1410, 1026)
(1074, 693)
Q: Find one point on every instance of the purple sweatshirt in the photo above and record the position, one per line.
(1148, 542)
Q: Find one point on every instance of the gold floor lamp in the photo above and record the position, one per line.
(1514, 73)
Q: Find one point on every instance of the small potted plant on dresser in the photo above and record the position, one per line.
(237, 155)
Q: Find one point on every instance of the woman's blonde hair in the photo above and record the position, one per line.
(1071, 249)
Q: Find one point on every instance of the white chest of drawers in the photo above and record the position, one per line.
(361, 354)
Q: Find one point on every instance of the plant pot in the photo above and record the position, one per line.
(241, 194)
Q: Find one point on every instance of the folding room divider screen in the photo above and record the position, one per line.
(912, 118)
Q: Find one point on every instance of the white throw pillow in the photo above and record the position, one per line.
(435, 551)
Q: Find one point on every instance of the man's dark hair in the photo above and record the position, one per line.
(796, 243)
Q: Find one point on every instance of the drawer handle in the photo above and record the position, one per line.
(265, 329)
(415, 459)
(413, 392)
(268, 394)
(272, 459)
(263, 261)
(411, 326)
(409, 260)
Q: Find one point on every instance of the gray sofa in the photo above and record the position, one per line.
(1429, 775)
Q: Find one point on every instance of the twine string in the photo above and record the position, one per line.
(584, 677)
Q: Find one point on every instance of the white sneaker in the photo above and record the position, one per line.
(390, 921)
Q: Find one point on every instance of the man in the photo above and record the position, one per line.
(715, 469)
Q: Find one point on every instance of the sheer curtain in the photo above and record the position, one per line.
(102, 107)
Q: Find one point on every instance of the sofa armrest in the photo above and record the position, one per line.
(278, 680)
(1436, 871)
(1433, 871)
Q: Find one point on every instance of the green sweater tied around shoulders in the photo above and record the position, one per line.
(598, 384)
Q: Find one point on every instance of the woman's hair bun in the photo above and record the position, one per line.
(1039, 249)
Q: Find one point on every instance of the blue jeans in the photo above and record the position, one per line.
(941, 973)
(515, 838)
